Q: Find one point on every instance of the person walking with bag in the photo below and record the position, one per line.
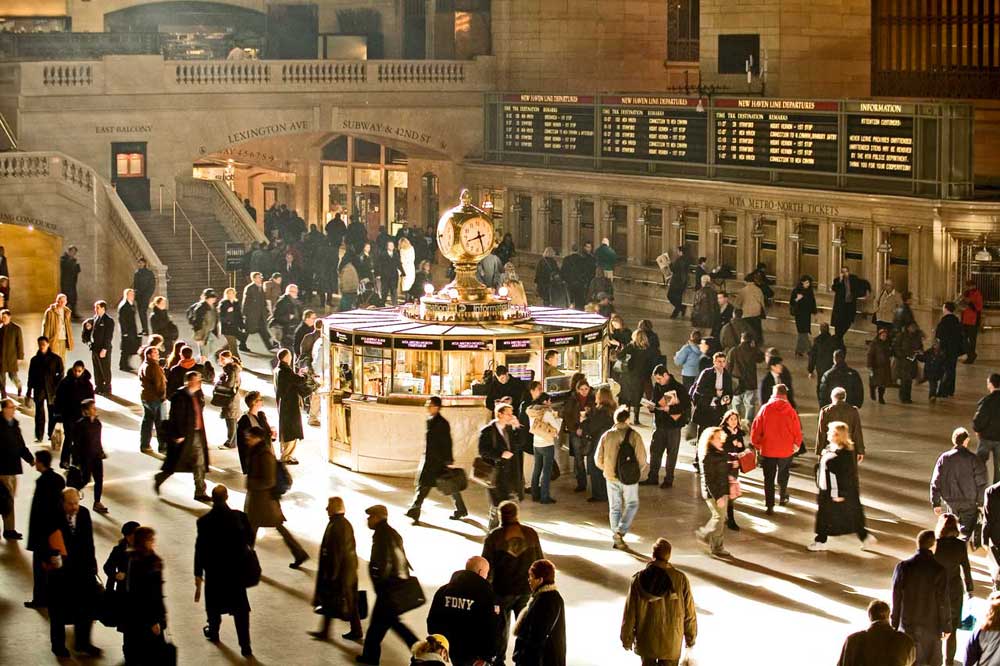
(953, 554)
(436, 461)
(543, 425)
(222, 555)
(188, 448)
(389, 570)
(145, 615)
(45, 517)
(621, 455)
(226, 393)
(717, 469)
(838, 500)
(72, 578)
(735, 445)
(496, 449)
(336, 595)
(263, 505)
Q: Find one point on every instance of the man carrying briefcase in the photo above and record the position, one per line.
(436, 461)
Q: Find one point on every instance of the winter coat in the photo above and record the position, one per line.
(491, 448)
(776, 431)
(490, 271)
(389, 268)
(50, 325)
(705, 308)
(949, 332)
(544, 270)
(846, 378)
(599, 421)
(878, 644)
(287, 314)
(886, 304)
(44, 374)
(71, 587)
(540, 631)
(72, 390)
(337, 572)
(660, 614)
(12, 448)
(986, 421)
(261, 506)
(837, 477)
(715, 473)
(920, 595)
(742, 362)
(973, 301)
(750, 299)
(959, 479)
(606, 455)
(11, 347)
(511, 550)
(388, 561)
(207, 317)
(821, 353)
(513, 388)
(905, 349)
(903, 317)
(144, 284)
(152, 382)
(709, 407)
(767, 383)
(664, 418)
(254, 308)
(224, 535)
(244, 425)
(803, 308)
(46, 510)
(730, 334)
(953, 554)
(465, 611)
(680, 271)
(571, 408)
(87, 444)
(437, 451)
(845, 310)
(606, 257)
(688, 358)
(175, 375)
(160, 324)
(983, 648)
(880, 362)
(181, 424)
(578, 269)
(143, 605)
(288, 388)
(231, 318)
(229, 377)
(129, 327)
(844, 412)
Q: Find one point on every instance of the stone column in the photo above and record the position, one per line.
(570, 225)
(824, 235)
(635, 233)
(784, 265)
(430, 18)
(314, 194)
(745, 255)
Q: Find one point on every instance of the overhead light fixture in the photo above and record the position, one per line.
(884, 247)
(679, 220)
(642, 215)
(983, 255)
(758, 228)
(837, 241)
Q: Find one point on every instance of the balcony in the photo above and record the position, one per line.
(150, 74)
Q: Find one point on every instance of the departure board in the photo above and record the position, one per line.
(661, 129)
(880, 145)
(552, 124)
(774, 134)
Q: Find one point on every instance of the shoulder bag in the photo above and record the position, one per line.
(484, 472)
(250, 574)
(405, 594)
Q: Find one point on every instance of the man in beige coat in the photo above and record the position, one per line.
(840, 410)
(659, 611)
(57, 327)
(886, 303)
(623, 498)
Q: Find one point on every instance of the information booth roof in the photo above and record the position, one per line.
(391, 321)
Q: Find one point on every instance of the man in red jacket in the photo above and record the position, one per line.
(776, 434)
(972, 299)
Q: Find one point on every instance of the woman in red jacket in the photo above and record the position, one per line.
(972, 299)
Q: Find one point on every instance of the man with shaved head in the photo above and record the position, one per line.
(71, 579)
(466, 611)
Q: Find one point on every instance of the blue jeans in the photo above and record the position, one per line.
(541, 473)
(578, 447)
(152, 416)
(983, 451)
(745, 404)
(623, 505)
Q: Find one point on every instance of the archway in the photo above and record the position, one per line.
(33, 262)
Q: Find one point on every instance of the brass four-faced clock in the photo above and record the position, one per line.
(465, 233)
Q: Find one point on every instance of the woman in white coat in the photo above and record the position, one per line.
(407, 257)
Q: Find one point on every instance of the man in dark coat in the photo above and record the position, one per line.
(389, 269)
(879, 643)
(219, 552)
(288, 389)
(89, 451)
(254, 307)
(336, 595)
(920, 605)
(11, 352)
(130, 340)
(842, 375)
(69, 272)
(46, 515)
(188, 448)
(821, 356)
(437, 458)
(73, 579)
(959, 482)
(496, 446)
(671, 413)
(335, 231)
(847, 289)
(387, 566)
(505, 388)
(287, 315)
(465, 611)
(840, 410)
(12, 451)
(712, 393)
(74, 388)
(577, 271)
(305, 327)
(952, 337)
(44, 374)
(680, 270)
(356, 235)
(144, 285)
(99, 333)
(986, 423)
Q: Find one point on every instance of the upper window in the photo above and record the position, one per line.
(683, 26)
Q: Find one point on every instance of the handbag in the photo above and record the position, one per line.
(405, 594)
(748, 461)
(452, 480)
(251, 568)
(56, 438)
(282, 479)
(107, 610)
(222, 395)
(484, 472)
(556, 472)
(362, 604)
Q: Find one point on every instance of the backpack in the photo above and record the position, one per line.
(627, 465)
(193, 315)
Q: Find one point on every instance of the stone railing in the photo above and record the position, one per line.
(86, 186)
(213, 197)
(140, 74)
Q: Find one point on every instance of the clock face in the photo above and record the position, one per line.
(477, 236)
(446, 238)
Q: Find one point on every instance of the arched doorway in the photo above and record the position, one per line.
(33, 262)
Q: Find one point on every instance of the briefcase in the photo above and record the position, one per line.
(484, 472)
(405, 594)
(452, 480)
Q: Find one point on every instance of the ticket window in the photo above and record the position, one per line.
(372, 371)
(461, 368)
(567, 362)
(853, 251)
(415, 372)
(899, 261)
(729, 242)
(554, 225)
(341, 369)
(767, 250)
(592, 362)
(586, 209)
(809, 250)
(652, 237)
(521, 364)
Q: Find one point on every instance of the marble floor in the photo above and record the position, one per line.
(773, 603)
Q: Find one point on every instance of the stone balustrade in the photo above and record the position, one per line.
(146, 74)
(213, 197)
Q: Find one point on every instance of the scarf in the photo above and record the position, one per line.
(534, 595)
(823, 480)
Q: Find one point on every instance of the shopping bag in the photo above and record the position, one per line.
(748, 461)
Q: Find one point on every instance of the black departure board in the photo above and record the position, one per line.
(880, 145)
(552, 124)
(659, 129)
(775, 134)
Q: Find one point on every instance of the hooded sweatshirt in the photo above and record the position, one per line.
(776, 431)
(659, 613)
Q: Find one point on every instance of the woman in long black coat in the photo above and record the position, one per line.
(116, 571)
(735, 444)
(161, 324)
(953, 554)
(637, 364)
(540, 631)
(288, 389)
(254, 417)
(336, 592)
(145, 617)
(802, 303)
(546, 268)
(839, 509)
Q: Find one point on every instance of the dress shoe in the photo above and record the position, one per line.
(784, 501)
(223, 447)
(667, 484)
(212, 636)
(202, 498)
(298, 562)
(11, 535)
(770, 511)
(319, 635)
(458, 515)
(244, 348)
(648, 482)
(90, 650)
(246, 652)
(721, 552)
(100, 508)
(156, 486)
(60, 653)
(547, 501)
(34, 605)
(290, 461)
(731, 524)
(362, 659)
(351, 636)
(414, 515)
(595, 499)
(580, 489)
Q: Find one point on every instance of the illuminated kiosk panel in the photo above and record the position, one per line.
(383, 365)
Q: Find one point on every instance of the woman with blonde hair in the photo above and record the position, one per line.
(838, 499)
(952, 552)
(408, 259)
(637, 360)
(600, 420)
(716, 467)
(984, 645)
(515, 288)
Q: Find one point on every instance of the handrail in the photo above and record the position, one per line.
(192, 232)
(8, 132)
